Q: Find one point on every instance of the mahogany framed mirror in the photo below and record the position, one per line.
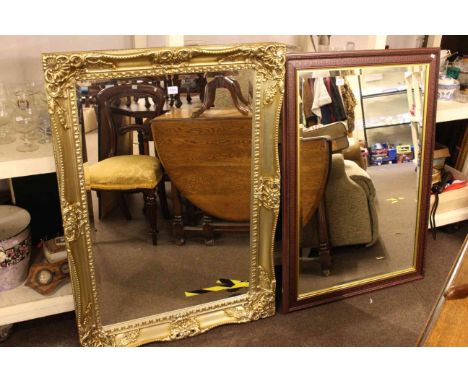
(357, 142)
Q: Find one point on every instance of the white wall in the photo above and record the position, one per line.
(20, 56)
(301, 42)
(404, 41)
(338, 42)
(292, 40)
(156, 41)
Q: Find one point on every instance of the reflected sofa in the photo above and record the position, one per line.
(350, 207)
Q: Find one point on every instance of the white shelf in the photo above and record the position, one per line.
(453, 205)
(14, 163)
(451, 111)
(451, 217)
(24, 303)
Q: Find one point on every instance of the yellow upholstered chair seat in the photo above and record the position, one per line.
(123, 172)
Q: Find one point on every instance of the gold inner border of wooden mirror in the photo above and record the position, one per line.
(350, 284)
(61, 73)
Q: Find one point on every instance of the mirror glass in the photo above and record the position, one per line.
(360, 137)
(168, 180)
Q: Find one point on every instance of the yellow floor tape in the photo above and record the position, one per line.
(221, 284)
(395, 200)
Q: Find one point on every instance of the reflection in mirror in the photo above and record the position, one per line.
(168, 177)
(360, 134)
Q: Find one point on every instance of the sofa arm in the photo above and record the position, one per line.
(361, 177)
(353, 153)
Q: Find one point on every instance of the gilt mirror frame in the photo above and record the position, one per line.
(349, 59)
(61, 72)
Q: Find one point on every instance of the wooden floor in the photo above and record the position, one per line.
(448, 324)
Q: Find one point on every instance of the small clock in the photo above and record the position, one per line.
(45, 277)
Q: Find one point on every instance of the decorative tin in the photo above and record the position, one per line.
(15, 246)
(447, 87)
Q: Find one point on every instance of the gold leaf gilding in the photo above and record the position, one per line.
(183, 327)
(61, 73)
(268, 193)
(73, 221)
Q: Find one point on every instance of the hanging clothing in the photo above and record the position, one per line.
(333, 111)
(321, 97)
(337, 102)
(323, 101)
(307, 100)
(349, 102)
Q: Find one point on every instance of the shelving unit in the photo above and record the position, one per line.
(396, 119)
(451, 111)
(453, 205)
(24, 303)
(14, 164)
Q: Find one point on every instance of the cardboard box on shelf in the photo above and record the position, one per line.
(453, 205)
(441, 152)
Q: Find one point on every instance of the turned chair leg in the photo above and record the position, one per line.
(163, 199)
(151, 210)
(89, 198)
(124, 206)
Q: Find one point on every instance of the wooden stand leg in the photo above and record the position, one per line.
(324, 245)
(191, 217)
(456, 292)
(151, 209)
(5, 331)
(207, 230)
(177, 221)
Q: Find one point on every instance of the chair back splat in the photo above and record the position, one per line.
(111, 106)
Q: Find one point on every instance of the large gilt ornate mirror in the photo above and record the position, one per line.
(357, 149)
(168, 174)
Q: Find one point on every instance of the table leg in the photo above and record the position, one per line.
(324, 243)
(207, 230)
(177, 221)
